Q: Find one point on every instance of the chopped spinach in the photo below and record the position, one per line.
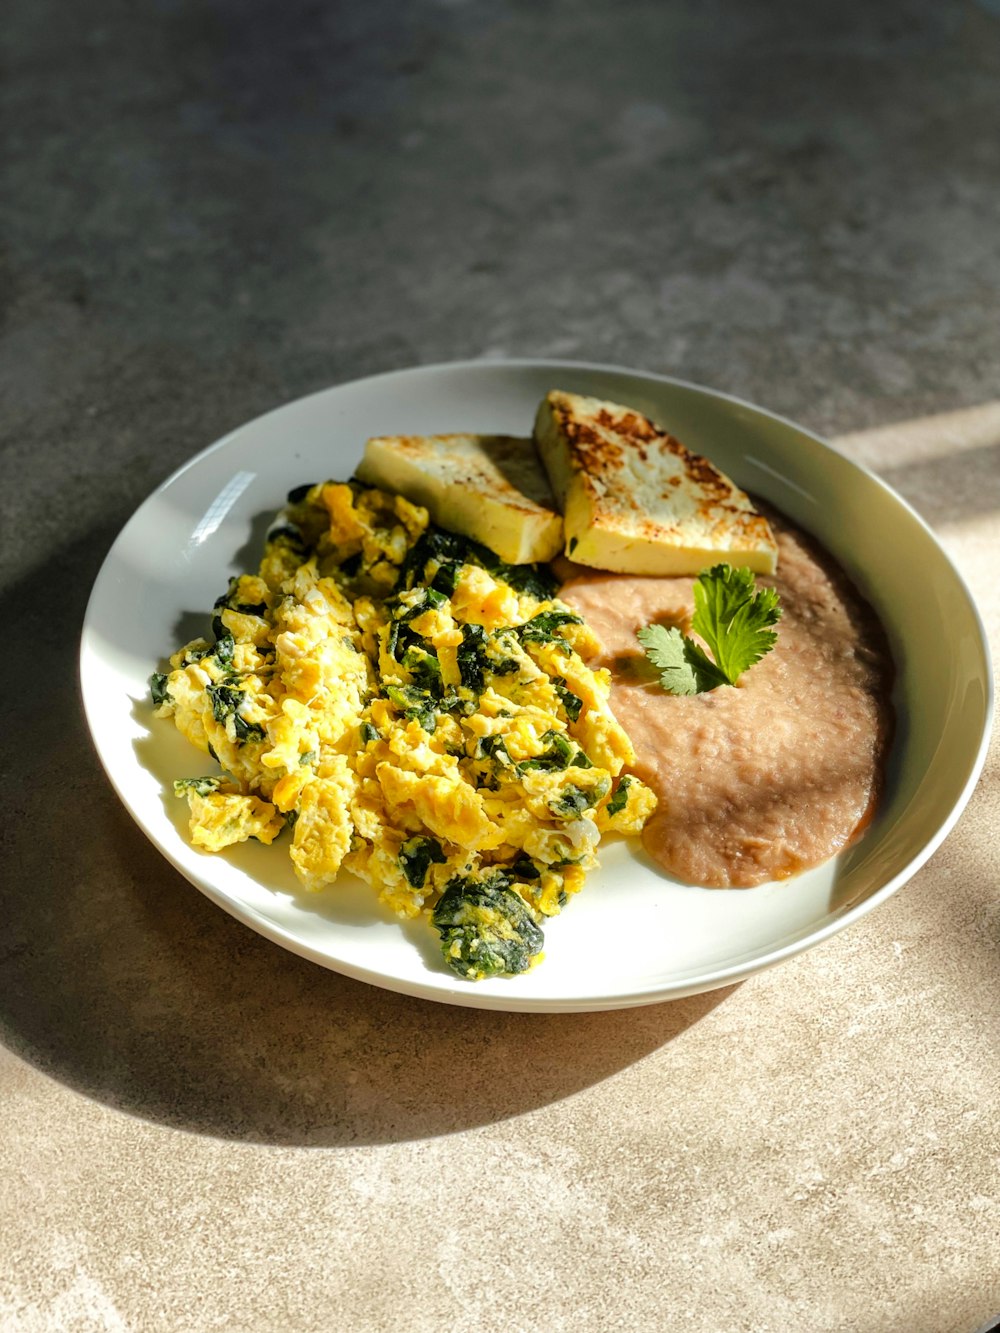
(392, 638)
(572, 802)
(298, 493)
(442, 547)
(430, 600)
(537, 581)
(400, 636)
(570, 701)
(415, 704)
(472, 660)
(486, 928)
(619, 801)
(493, 747)
(225, 646)
(454, 702)
(445, 579)
(481, 652)
(448, 549)
(558, 756)
(368, 733)
(524, 868)
(544, 627)
(200, 786)
(247, 731)
(308, 757)
(226, 701)
(416, 856)
(192, 654)
(425, 669)
(158, 689)
(400, 639)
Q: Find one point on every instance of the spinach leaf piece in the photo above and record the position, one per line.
(472, 660)
(415, 704)
(416, 856)
(619, 801)
(224, 648)
(158, 691)
(226, 701)
(554, 759)
(572, 802)
(424, 667)
(571, 702)
(200, 786)
(449, 549)
(524, 868)
(545, 626)
(486, 928)
(493, 747)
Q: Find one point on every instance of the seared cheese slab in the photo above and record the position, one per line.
(634, 500)
(492, 488)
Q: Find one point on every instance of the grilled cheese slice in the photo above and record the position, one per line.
(492, 488)
(635, 501)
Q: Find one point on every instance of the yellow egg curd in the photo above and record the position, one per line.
(412, 710)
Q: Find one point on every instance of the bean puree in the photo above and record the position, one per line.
(758, 781)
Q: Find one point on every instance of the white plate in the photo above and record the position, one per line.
(633, 936)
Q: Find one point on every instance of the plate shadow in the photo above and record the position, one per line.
(119, 979)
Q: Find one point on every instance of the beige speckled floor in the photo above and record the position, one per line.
(206, 1132)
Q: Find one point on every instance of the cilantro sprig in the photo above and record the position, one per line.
(732, 616)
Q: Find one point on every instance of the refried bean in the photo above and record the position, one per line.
(760, 780)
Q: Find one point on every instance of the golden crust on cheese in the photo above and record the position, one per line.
(492, 488)
(635, 500)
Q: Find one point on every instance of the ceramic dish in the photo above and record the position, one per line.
(633, 936)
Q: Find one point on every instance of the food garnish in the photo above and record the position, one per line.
(734, 619)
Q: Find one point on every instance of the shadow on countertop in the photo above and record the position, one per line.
(121, 981)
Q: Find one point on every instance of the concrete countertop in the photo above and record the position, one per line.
(209, 208)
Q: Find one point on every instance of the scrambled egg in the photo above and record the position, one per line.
(412, 710)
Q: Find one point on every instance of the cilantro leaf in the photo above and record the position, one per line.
(683, 666)
(733, 617)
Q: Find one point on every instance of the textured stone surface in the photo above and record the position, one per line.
(210, 208)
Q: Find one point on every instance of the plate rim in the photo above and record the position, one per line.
(443, 991)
